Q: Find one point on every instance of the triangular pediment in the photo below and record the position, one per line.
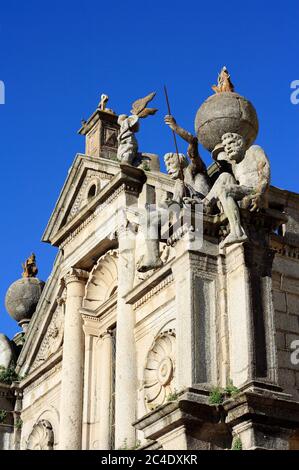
(87, 176)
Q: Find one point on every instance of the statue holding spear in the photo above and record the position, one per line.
(191, 179)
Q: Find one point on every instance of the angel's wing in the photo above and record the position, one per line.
(139, 105)
(147, 112)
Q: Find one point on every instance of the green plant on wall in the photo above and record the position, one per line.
(237, 444)
(125, 445)
(7, 376)
(18, 423)
(3, 414)
(218, 395)
(173, 396)
(231, 390)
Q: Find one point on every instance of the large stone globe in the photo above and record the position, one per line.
(222, 113)
(22, 298)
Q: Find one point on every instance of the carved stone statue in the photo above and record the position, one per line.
(6, 352)
(191, 179)
(191, 186)
(127, 151)
(248, 183)
(29, 267)
(151, 222)
(224, 82)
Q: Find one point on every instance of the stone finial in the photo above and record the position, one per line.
(29, 267)
(103, 103)
(102, 106)
(224, 82)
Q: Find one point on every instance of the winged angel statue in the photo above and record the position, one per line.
(127, 143)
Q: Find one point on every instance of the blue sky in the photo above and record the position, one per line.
(58, 57)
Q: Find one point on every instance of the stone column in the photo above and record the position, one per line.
(105, 385)
(126, 368)
(71, 401)
(126, 374)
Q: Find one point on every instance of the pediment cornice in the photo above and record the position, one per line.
(84, 169)
(127, 179)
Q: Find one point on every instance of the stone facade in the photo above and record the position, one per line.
(114, 358)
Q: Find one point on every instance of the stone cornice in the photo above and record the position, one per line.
(283, 248)
(105, 307)
(6, 391)
(43, 371)
(268, 407)
(80, 167)
(95, 117)
(145, 289)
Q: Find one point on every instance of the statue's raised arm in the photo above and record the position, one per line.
(195, 183)
(197, 164)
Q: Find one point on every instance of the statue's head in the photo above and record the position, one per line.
(174, 162)
(234, 146)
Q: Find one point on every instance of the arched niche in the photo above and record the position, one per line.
(102, 282)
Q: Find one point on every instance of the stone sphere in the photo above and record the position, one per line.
(22, 297)
(222, 113)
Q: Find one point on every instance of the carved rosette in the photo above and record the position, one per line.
(159, 370)
(41, 437)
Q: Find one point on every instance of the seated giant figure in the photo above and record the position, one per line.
(248, 182)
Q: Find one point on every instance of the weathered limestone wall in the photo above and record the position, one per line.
(285, 282)
(41, 401)
(7, 423)
(286, 304)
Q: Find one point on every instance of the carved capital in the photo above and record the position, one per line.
(76, 275)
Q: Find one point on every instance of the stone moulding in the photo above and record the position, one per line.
(168, 280)
(42, 372)
(93, 216)
(190, 410)
(145, 287)
(129, 179)
(91, 176)
(284, 249)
